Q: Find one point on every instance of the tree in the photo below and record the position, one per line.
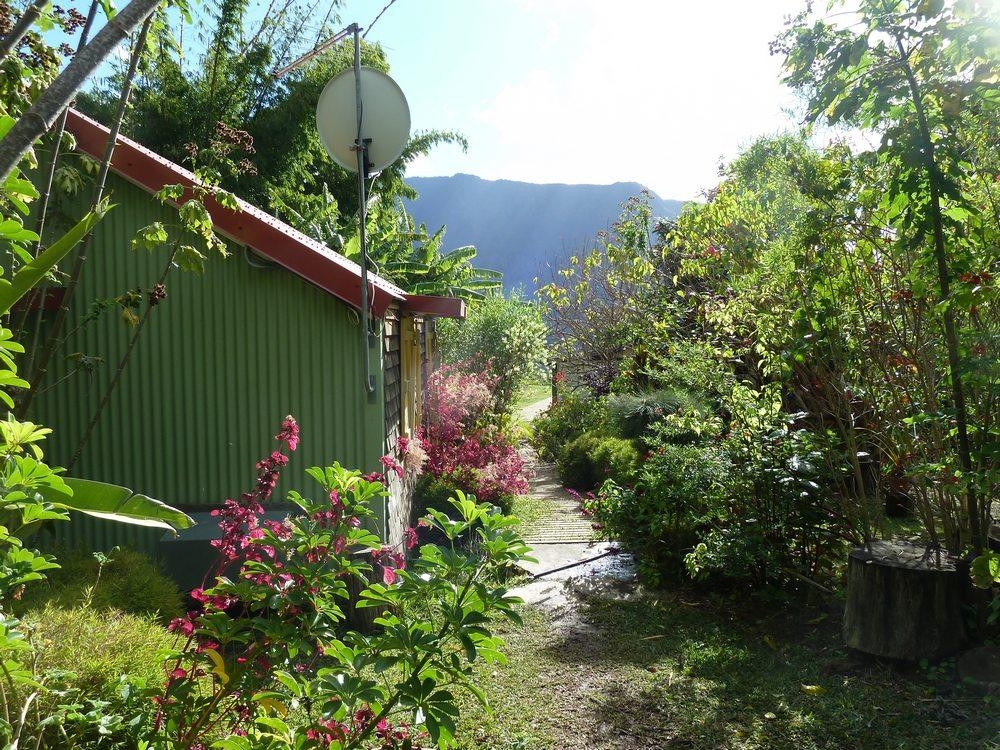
(502, 335)
(921, 74)
(42, 113)
(606, 308)
(176, 103)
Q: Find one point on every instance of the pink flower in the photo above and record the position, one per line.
(410, 537)
(289, 433)
(392, 464)
(183, 625)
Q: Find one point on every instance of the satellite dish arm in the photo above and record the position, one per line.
(361, 149)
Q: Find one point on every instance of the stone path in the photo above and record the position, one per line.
(564, 524)
(562, 538)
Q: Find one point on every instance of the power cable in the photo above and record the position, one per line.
(380, 13)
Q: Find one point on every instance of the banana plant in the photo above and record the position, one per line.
(404, 252)
(28, 269)
(40, 493)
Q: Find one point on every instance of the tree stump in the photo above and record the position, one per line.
(904, 602)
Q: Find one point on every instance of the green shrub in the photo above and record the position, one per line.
(505, 334)
(432, 492)
(131, 582)
(100, 669)
(99, 646)
(632, 415)
(593, 457)
(564, 421)
(773, 517)
(659, 520)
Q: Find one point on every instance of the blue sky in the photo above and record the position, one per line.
(586, 90)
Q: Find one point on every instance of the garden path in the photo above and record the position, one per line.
(601, 663)
(562, 541)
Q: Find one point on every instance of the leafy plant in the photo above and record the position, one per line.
(660, 518)
(564, 421)
(265, 664)
(462, 438)
(505, 335)
(923, 74)
(128, 582)
(634, 414)
(594, 457)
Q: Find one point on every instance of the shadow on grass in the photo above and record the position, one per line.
(701, 674)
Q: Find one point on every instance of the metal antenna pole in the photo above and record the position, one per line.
(318, 49)
(361, 149)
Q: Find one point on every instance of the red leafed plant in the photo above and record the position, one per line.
(266, 659)
(462, 439)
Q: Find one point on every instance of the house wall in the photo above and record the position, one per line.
(222, 360)
(404, 364)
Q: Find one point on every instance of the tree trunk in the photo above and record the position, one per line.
(43, 113)
(904, 602)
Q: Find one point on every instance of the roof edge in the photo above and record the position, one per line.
(250, 226)
(429, 305)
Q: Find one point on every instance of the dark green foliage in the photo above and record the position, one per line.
(594, 457)
(435, 493)
(659, 520)
(772, 520)
(564, 421)
(634, 414)
(131, 583)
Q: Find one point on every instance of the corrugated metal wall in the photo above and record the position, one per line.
(222, 360)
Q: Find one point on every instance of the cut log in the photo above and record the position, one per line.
(905, 602)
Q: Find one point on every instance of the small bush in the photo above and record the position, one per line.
(565, 421)
(661, 518)
(463, 443)
(633, 414)
(432, 492)
(773, 517)
(99, 646)
(592, 458)
(100, 669)
(131, 582)
(435, 492)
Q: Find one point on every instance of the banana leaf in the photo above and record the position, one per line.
(115, 503)
(34, 271)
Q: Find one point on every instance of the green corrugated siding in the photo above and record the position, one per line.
(222, 360)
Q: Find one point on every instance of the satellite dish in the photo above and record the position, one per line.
(385, 118)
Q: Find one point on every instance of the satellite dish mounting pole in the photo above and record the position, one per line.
(361, 149)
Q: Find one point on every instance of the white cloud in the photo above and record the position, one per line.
(653, 92)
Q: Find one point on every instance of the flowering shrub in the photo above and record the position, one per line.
(508, 332)
(265, 662)
(463, 442)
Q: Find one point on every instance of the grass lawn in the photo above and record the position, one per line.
(688, 672)
(532, 393)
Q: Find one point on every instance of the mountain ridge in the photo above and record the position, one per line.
(523, 229)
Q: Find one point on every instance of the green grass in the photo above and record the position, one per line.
(530, 394)
(700, 674)
(529, 511)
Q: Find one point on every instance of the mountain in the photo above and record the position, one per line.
(521, 228)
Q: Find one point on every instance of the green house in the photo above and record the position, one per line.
(275, 329)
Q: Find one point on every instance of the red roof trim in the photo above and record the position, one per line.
(252, 227)
(445, 307)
